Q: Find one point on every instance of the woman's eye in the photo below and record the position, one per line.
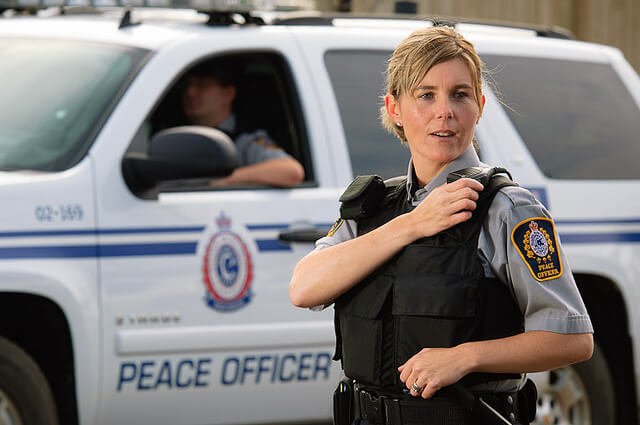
(428, 95)
(460, 95)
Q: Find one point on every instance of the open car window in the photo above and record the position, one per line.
(266, 99)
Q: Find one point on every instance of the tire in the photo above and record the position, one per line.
(580, 394)
(25, 396)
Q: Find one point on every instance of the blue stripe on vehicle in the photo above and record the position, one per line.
(90, 251)
(151, 230)
(130, 250)
(576, 238)
(272, 245)
(257, 227)
(41, 233)
(81, 232)
(599, 221)
(82, 251)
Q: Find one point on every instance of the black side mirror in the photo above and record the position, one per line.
(188, 152)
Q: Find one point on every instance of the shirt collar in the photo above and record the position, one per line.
(228, 125)
(468, 159)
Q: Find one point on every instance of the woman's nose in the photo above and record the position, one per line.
(444, 110)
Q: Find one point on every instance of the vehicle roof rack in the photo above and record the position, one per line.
(230, 18)
(220, 12)
(322, 19)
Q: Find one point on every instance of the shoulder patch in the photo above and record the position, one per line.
(335, 227)
(536, 242)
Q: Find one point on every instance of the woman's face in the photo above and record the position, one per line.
(439, 116)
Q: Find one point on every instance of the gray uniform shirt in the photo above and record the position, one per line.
(253, 147)
(552, 304)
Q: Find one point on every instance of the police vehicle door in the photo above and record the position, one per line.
(198, 327)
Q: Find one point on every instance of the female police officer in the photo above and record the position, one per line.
(436, 283)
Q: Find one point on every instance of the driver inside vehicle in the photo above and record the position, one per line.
(207, 100)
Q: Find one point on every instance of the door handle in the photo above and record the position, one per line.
(309, 235)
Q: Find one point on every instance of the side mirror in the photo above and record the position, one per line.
(188, 152)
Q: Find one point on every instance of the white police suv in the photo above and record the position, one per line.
(133, 293)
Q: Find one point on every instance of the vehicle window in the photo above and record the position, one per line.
(358, 83)
(577, 119)
(264, 102)
(55, 95)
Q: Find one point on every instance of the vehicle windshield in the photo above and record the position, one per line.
(54, 96)
(578, 119)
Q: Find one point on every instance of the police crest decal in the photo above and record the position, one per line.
(536, 242)
(227, 269)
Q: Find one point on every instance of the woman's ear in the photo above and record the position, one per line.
(482, 100)
(393, 109)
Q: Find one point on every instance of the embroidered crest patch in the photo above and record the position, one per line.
(335, 227)
(228, 270)
(536, 242)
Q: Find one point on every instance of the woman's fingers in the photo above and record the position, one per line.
(450, 194)
(462, 183)
(420, 386)
(447, 206)
(429, 391)
(431, 369)
(466, 192)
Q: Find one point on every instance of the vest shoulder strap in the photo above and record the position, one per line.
(481, 173)
(470, 230)
(495, 183)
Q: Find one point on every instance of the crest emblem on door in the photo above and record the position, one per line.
(227, 268)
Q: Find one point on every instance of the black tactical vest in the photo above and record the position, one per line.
(433, 293)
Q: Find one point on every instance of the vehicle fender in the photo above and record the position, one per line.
(79, 305)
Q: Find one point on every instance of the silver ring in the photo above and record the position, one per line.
(417, 388)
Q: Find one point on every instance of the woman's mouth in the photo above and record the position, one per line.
(443, 133)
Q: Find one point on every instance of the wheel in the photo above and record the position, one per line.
(25, 396)
(580, 394)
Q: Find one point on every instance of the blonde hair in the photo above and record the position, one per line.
(417, 54)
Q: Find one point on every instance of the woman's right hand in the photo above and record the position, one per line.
(445, 206)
